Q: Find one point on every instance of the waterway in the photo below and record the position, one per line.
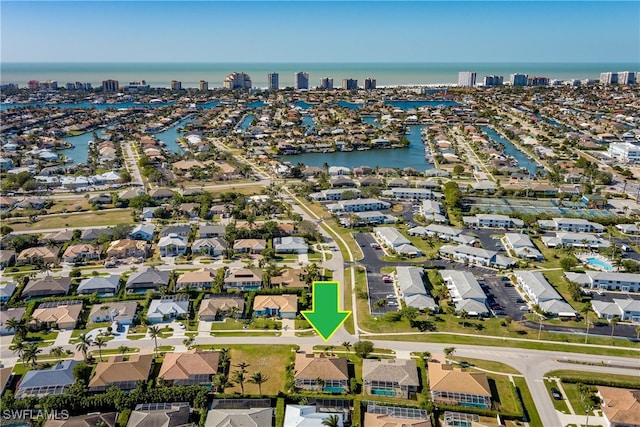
(412, 156)
(80, 151)
(524, 161)
(120, 105)
(412, 105)
(308, 121)
(371, 121)
(169, 136)
(246, 122)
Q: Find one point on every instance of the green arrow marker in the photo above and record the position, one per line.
(326, 316)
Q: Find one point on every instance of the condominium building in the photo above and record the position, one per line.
(466, 78)
(110, 85)
(369, 83)
(301, 81)
(326, 83)
(492, 80)
(538, 81)
(608, 78)
(204, 85)
(273, 80)
(518, 79)
(237, 80)
(350, 84)
(624, 151)
(626, 77)
(176, 85)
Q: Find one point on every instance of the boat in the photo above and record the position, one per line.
(9, 101)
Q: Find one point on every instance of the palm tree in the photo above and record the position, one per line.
(18, 347)
(585, 310)
(123, 349)
(18, 327)
(57, 352)
(448, 351)
(218, 382)
(188, 341)
(258, 379)
(154, 332)
(332, 421)
(239, 377)
(347, 346)
(31, 354)
(83, 345)
(100, 341)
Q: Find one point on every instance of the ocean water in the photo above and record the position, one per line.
(386, 74)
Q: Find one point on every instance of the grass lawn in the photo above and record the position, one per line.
(530, 407)
(348, 306)
(560, 405)
(587, 377)
(573, 395)
(256, 324)
(113, 351)
(272, 363)
(135, 336)
(41, 336)
(77, 332)
(106, 217)
(69, 205)
(489, 365)
(505, 401)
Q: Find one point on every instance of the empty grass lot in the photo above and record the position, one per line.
(271, 363)
(86, 219)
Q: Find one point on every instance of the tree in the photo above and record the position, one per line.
(425, 355)
(154, 332)
(18, 347)
(332, 421)
(449, 351)
(19, 328)
(363, 348)
(239, 377)
(100, 341)
(83, 345)
(57, 352)
(218, 382)
(568, 263)
(31, 354)
(123, 349)
(585, 310)
(258, 379)
(458, 170)
(507, 321)
(188, 341)
(347, 346)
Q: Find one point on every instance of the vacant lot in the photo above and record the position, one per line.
(272, 364)
(86, 219)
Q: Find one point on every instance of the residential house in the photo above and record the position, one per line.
(7, 290)
(465, 292)
(620, 406)
(624, 309)
(212, 246)
(143, 232)
(612, 281)
(161, 194)
(358, 205)
(208, 231)
(62, 236)
(127, 248)
(522, 246)
(168, 308)
(80, 253)
(308, 416)
(121, 373)
(7, 258)
(290, 278)
(217, 307)
(181, 230)
(378, 415)
(579, 225)
(243, 279)
(290, 245)
(38, 255)
(390, 377)
(47, 382)
(95, 233)
(47, 287)
(284, 306)
(249, 246)
(576, 240)
(200, 279)
(59, 315)
(492, 221)
(249, 417)
(105, 419)
(326, 374)
(149, 278)
(477, 256)
(11, 313)
(172, 245)
(195, 367)
(160, 415)
(123, 312)
(149, 212)
(102, 285)
(451, 386)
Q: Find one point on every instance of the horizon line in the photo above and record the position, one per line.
(322, 62)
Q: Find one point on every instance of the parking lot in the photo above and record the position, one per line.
(503, 297)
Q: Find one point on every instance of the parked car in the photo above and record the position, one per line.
(523, 308)
(556, 393)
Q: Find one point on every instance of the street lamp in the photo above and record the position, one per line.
(587, 410)
(540, 319)
(586, 337)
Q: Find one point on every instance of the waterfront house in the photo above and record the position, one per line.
(290, 245)
(47, 287)
(7, 290)
(172, 245)
(243, 279)
(319, 373)
(174, 414)
(47, 382)
(451, 386)
(390, 377)
(378, 415)
(121, 373)
(38, 255)
(102, 285)
(147, 279)
(105, 419)
(612, 281)
(123, 312)
(200, 279)
(246, 417)
(217, 307)
(127, 248)
(7, 258)
(249, 246)
(284, 306)
(195, 367)
(168, 308)
(80, 253)
(143, 232)
(59, 315)
(10, 313)
(308, 416)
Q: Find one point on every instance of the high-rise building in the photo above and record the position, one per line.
(237, 80)
(350, 84)
(204, 85)
(33, 85)
(538, 81)
(176, 85)
(110, 85)
(369, 83)
(517, 79)
(273, 79)
(492, 80)
(48, 85)
(626, 77)
(466, 78)
(608, 78)
(326, 83)
(301, 81)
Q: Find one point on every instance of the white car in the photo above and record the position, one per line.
(180, 325)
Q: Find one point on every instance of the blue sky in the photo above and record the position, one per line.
(313, 31)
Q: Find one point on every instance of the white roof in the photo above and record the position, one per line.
(410, 280)
(306, 416)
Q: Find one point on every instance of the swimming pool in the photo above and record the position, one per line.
(601, 264)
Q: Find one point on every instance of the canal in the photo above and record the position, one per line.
(524, 161)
